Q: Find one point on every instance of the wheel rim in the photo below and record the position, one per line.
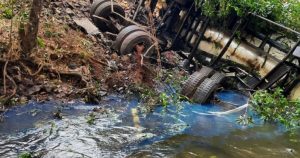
(95, 5)
(104, 10)
(124, 33)
(133, 39)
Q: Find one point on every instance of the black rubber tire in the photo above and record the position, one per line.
(124, 33)
(205, 90)
(95, 5)
(190, 85)
(104, 10)
(218, 77)
(137, 37)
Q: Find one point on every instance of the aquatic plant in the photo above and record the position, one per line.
(275, 107)
(91, 119)
(25, 155)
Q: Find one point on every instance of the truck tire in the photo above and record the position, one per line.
(123, 34)
(133, 39)
(104, 11)
(95, 5)
(190, 85)
(218, 77)
(204, 91)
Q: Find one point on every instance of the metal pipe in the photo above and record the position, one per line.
(275, 23)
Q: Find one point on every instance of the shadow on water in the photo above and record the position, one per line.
(121, 129)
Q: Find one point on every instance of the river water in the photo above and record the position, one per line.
(122, 128)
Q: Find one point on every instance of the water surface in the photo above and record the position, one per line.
(122, 129)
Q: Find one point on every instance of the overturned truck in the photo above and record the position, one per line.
(234, 53)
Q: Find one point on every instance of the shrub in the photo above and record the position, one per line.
(275, 107)
(282, 11)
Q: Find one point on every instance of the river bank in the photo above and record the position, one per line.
(67, 64)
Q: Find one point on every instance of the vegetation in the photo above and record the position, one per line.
(91, 119)
(285, 12)
(275, 107)
(25, 155)
(51, 51)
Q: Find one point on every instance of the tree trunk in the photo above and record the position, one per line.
(28, 35)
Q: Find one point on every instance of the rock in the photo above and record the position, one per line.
(49, 88)
(58, 115)
(113, 65)
(72, 66)
(57, 11)
(28, 82)
(114, 56)
(87, 25)
(34, 90)
(23, 100)
(100, 110)
(57, 4)
(70, 12)
(121, 89)
(103, 93)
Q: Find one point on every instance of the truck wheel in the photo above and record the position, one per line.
(104, 11)
(95, 5)
(132, 40)
(218, 77)
(204, 91)
(190, 85)
(123, 34)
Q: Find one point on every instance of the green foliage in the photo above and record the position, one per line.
(8, 13)
(169, 83)
(52, 128)
(25, 155)
(164, 99)
(23, 16)
(275, 107)
(91, 119)
(149, 96)
(281, 11)
(40, 42)
(245, 120)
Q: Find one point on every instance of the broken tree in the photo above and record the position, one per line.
(28, 33)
